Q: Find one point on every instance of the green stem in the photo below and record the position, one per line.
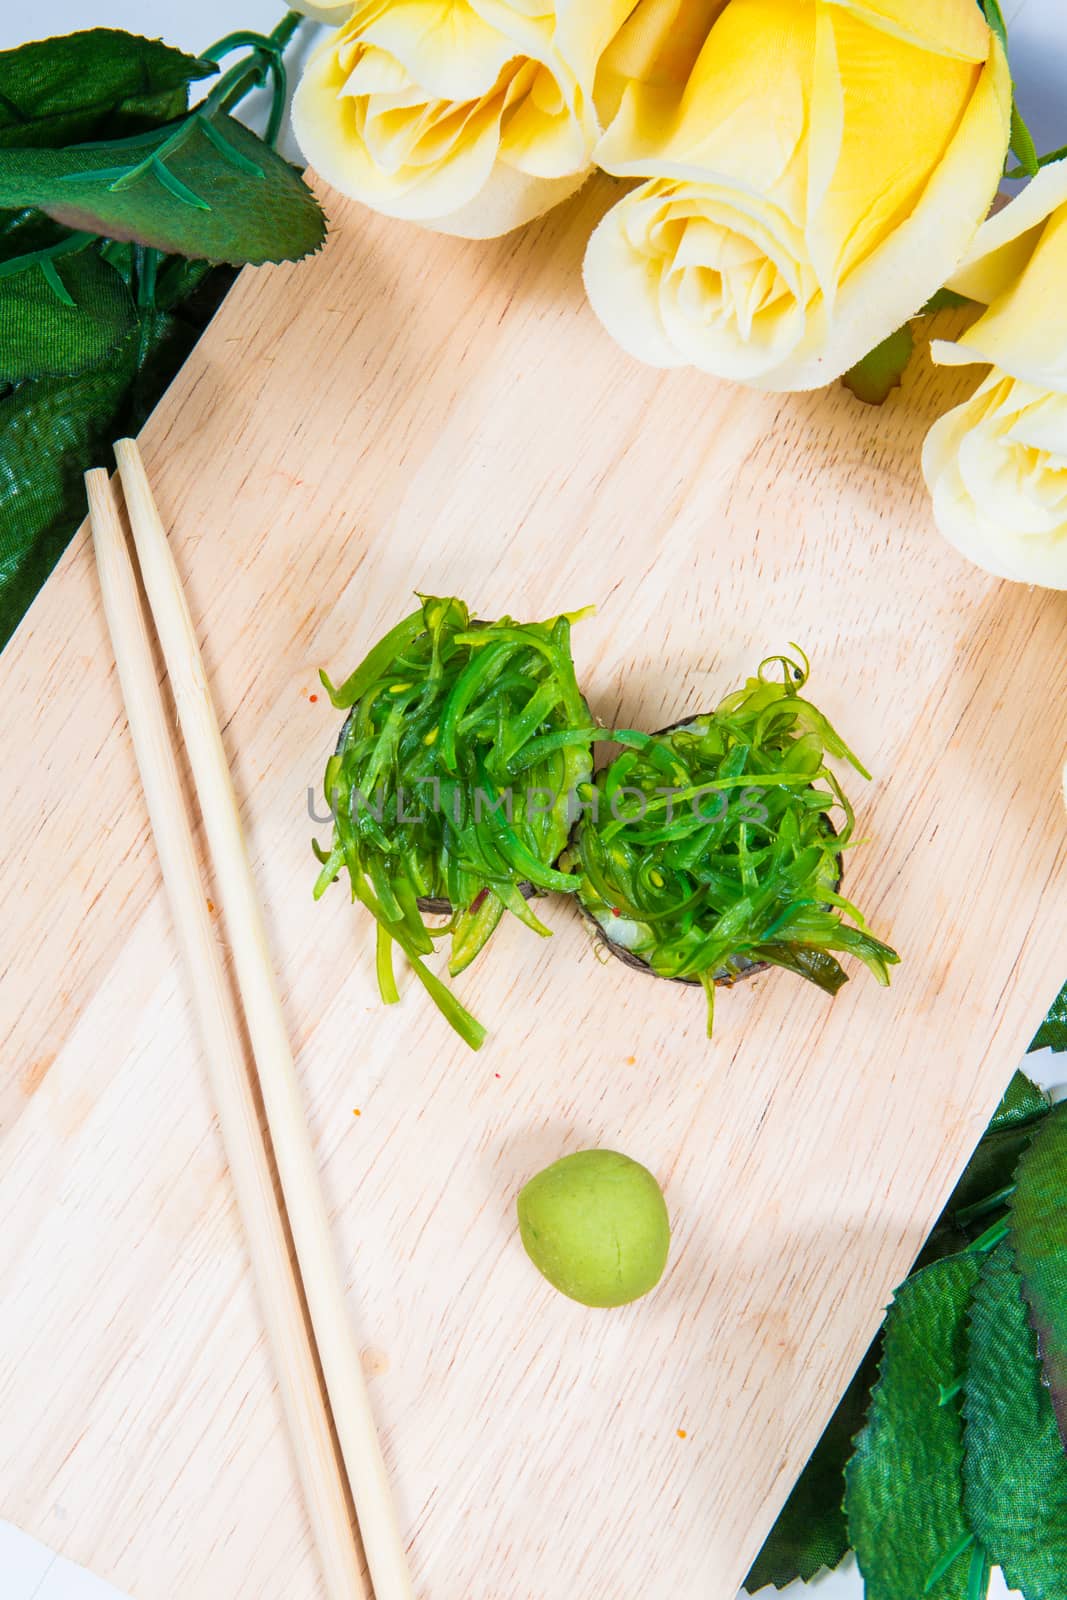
(244, 39)
(978, 1577)
(56, 284)
(146, 266)
(38, 258)
(146, 261)
(1043, 161)
(235, 84)
(386, 977)
(946, 1393)
(286, 30)
(980, 1208)
(963, 1543)
(279, 95)
(991, 1238)
(266, 57)
(128, 176)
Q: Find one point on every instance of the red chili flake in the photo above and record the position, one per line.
(615, 911)
(496, 1074)
(479, 900)
(313, 698)
(211, 908)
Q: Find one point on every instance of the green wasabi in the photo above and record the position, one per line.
(595, 1225)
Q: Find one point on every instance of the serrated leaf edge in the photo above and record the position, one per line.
(877, 1386)
(1059, 1402)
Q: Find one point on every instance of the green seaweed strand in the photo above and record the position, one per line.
(452, 781)
(739, 862)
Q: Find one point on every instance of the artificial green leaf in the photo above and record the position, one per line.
(187, 295)
(206, 188)
(981, 1193)
(53, 429)
(1020, 140)
(1053, 1031)
(1052, 156)
(1022, 1102)
(882, 369)
(811, 1533)
(1022, 144)
(195, 286)
(44, 332)
(178, 280)
(992, 1167)
(811, 1529)
(1038, 1214)
(97, 83)
(945, 1239)
(1015, 1469)
(904, 1483)
(995, 18)
(25, 232)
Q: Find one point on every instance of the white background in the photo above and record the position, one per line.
(1039, 60)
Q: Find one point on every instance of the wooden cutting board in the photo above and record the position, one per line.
(416, 412)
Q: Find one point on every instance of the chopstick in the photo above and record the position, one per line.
(294, 1154)
(279, 1293)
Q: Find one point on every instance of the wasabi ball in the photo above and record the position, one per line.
(595, 1224)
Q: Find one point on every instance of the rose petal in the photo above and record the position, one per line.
(508, 199)
(679, 274)
(542, 136)
(997, 495)
(731, 124)
(460, 114)
(653, 53)
(622, 282)
(444, 46)
(768, 321)
(1024, 332)
(897, 279)
(1003, 245)
(377, 72)
(951, 27)
(330, 130)
(894, 109)
(584, 29)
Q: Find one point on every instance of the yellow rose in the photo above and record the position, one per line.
(469, 116)
(820, 175)
(997, 465)
(653, 54)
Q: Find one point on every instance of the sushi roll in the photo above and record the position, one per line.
(451, 783)
(706, 853)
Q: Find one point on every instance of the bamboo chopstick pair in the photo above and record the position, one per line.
(277, 1280)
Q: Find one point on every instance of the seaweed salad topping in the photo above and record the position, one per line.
(451, 784)
(710, 851)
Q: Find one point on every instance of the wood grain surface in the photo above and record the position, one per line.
(417, 412)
